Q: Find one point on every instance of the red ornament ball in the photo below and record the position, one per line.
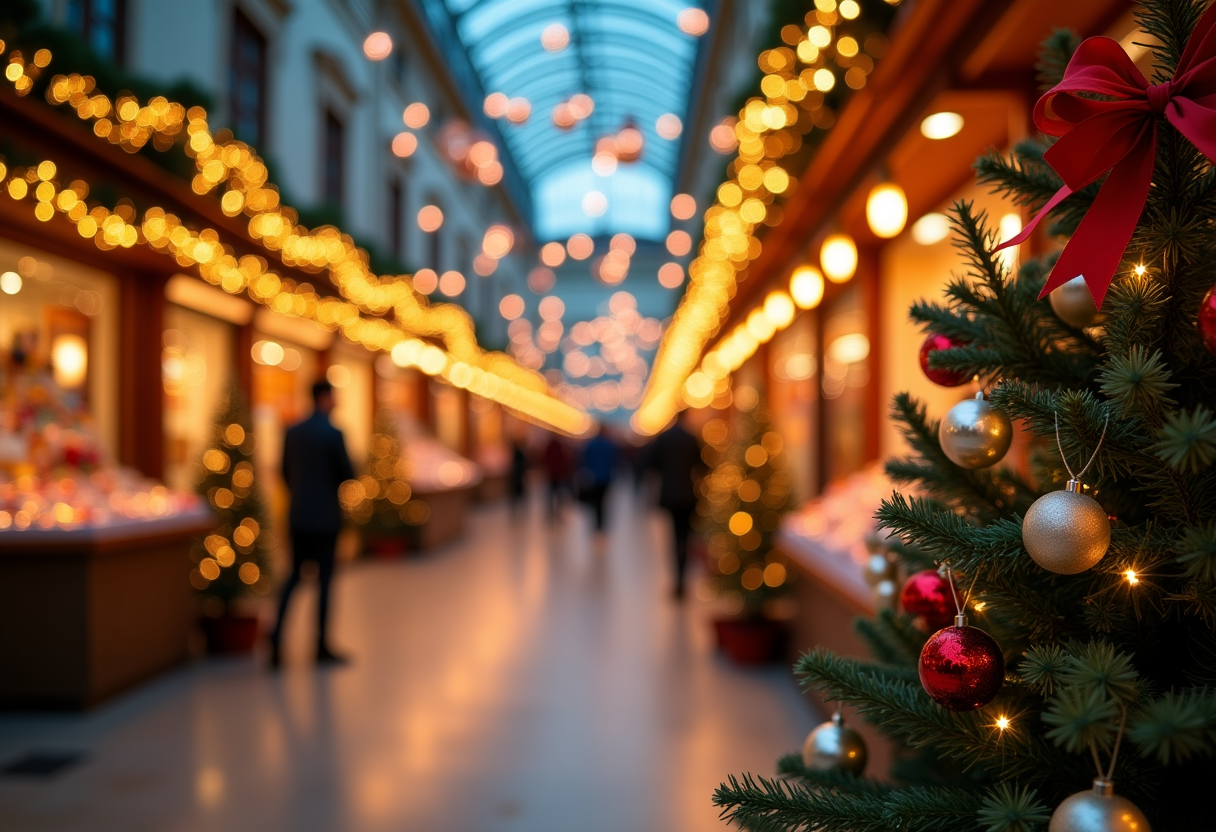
(961, 668)
(946, 378)
(928, 595)
(1207, 320)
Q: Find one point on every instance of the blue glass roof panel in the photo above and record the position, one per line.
(633, 61)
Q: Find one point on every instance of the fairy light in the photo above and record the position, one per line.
(1002, 722)
(1139, 270)
(769, 128)
(1131, 576)
(235, 166)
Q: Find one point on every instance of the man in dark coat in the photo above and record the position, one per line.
(315, 463)
(675, 455)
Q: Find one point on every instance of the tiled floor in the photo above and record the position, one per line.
(516, 680)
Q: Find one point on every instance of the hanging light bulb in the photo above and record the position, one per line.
(838, 257)
(887, 210)
(806, 287)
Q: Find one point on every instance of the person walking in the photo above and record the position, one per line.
(519, 476)
(557, 469)
(595, 475)
(315, 463)
(675, 455)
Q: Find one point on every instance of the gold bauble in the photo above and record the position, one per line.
(974, 434)
(1066, 531)
(1098, 810)
(834, 745)
(1073, 304)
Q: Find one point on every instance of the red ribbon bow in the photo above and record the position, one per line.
(1119, 136)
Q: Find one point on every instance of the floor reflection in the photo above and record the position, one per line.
(520, 680)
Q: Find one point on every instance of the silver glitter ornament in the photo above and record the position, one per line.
(975, 434)
(1098, 810)
(834, 745)
(1067, 531)
(1073, 304)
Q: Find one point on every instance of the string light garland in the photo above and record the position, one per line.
(233, 167)
(768, 129)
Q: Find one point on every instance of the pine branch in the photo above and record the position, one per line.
(791, 765)
(1177, 726)
(892, 639)
(1055, 52)
(1008, 808)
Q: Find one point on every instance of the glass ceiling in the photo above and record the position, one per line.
(633, 61)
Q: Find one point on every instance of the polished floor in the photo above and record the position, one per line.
(517, 680)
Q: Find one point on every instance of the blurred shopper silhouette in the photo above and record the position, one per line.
(595, 473)
(675, 455)
(557, 469)
(519, 474)
(315, 463)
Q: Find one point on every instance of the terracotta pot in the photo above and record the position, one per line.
(752, 641)
(386, 547)
(230, 634)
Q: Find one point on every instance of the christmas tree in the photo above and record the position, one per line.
(1092, 608)
(744, 496)
(235, 558)
(379, 500)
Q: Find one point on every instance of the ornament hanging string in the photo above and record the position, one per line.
(1118, 135)
(1114, 755)
(959, 608)
(1092, 456)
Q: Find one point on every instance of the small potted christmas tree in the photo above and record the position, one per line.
(743, 499)
(232, 561)
(379, 501)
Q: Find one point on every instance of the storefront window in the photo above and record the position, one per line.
(845, 374)
(794, 397)
(196, 373)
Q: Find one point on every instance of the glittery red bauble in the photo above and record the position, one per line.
(961, 668)
(1207, 320)
(946, 378)
(927, 594)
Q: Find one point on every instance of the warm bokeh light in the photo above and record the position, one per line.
(671, 275)
(551, 308)
(823, 79)
(806, 286)
(377, 46)
(1131, 576)
(511, 307)
(693, 21)
(70, 360)
(760, 326)
(490, 173)
(581, 105)
(941, 125)
(10, 283)
(679, 243)
(430, 218)
(838, 257)
(722, 137)
(518, 110)
(553, 254)
(404, 144)
(623, 242)
(426, 281)
(779, 309)
(485, 265)
(683, 206)
(595, 204)
(541, 280)
(451, 283)
(931, 228)
(554, 37)
(604, 163)
(416, 115)
(563, 117)
(1009, 227)
(1002, 722)
(886, 210)
(849, 348)
(495, 105)
(629, 142)
(669, 126)
(498, 241)
(338, 375)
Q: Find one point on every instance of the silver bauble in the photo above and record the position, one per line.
(975, 434)
(1073, 304)
(1066, 531)
(1098, 810)
(834, 745)
(879, 568)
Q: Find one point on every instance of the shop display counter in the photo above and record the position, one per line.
(447, 483)
(825, 542)
(88, 612)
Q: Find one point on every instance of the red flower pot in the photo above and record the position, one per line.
(229, 634)
(752, 641)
